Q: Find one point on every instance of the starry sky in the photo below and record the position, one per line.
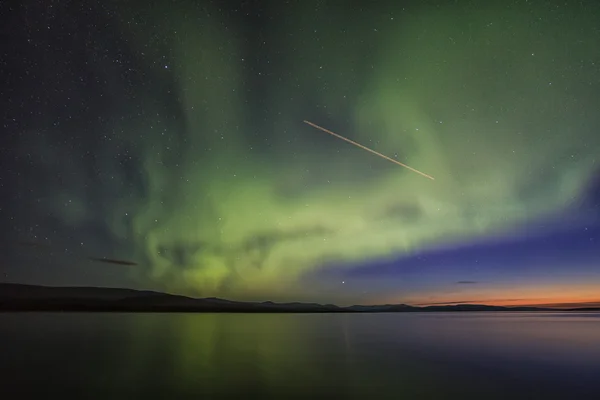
(168, 136)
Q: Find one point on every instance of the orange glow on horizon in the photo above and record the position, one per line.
(552, 302)
(553, 296)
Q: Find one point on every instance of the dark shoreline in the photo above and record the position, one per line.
(31, 298)
(109, 308)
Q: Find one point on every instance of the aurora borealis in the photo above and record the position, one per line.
(171, 134)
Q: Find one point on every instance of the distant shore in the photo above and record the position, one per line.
(31, 298)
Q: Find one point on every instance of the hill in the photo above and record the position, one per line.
(17, 297)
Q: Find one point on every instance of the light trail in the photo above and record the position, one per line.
(368, 149)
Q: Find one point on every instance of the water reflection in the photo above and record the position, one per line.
(267, 355)
(277, 356)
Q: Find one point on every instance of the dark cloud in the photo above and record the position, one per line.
(466, 282)
(590, 304)
(480, 301)
(112, 261)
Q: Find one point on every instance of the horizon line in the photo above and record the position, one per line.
(556, 305)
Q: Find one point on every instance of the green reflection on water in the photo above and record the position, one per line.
(275, 355)
(263, 354)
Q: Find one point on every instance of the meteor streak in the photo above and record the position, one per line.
(367, 149)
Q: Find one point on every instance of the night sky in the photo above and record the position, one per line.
(168, 136)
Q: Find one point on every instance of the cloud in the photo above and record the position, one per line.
(112, 261)
(590, 304)
(480, 301)
(466, 282)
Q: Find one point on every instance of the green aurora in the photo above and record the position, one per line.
(481, 99)
(241, 199)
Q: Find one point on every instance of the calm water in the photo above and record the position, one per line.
(395, 356)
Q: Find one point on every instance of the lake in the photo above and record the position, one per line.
(362, 356)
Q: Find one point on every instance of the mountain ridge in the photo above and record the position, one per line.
(21, 297)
